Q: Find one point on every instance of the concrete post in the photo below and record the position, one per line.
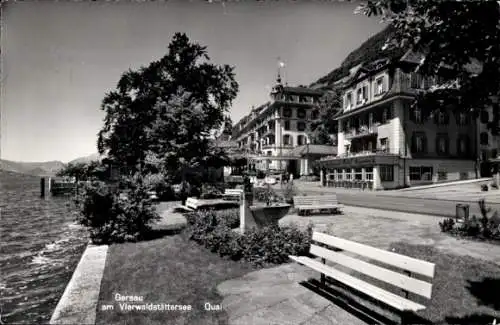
(321, 176)
(246, 216)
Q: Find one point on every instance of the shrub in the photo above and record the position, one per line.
(273, 244)
(269, 245)
(494, 185)
(112, 217)
(484, 187)
(447, 225)
(266, 194)
(261, 174)
(485, 227)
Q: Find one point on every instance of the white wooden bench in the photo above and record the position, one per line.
(190, 205)
(233, 194)
(410, 266)
(316, 202)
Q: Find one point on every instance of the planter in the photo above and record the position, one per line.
(269, 215)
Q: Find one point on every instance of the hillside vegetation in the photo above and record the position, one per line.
(370, 50)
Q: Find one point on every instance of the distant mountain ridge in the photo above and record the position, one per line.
(47, 168)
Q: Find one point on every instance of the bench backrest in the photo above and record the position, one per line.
(233, 191)
(404, 263)
(192, 203)
(315, 200)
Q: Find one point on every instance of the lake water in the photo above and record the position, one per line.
(40, 246)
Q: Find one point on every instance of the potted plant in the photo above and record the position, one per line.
(273, 210)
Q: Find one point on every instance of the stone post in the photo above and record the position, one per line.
(321, 177)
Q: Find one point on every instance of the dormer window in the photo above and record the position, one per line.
(362, 95)
(348, 100)
(379, 86)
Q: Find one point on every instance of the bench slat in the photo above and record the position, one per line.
(402, 281)
(311, 207)
(401, 261)
(386, 297)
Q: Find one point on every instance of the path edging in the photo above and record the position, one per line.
(79, 301)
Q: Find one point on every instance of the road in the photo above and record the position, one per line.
(405, 204)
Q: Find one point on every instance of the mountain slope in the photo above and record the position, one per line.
(86, 159)
(48, 168)
(370, 50)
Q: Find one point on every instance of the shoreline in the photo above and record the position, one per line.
(78, 303)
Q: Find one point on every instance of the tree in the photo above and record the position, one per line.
(181, 136)
(84, 171)
(182, 92)
(324, 129)
(460, 41)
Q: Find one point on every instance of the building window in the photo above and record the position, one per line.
(483, 138)
(269, 153)
(442, 175)
(301, 113)
(484, 116)
(384, 144)
(369, 173)
(301, 126)
(415, 80)
(300, 140)
(441, 118)
(386, 115)
(287, 112)
(462, 145)
(362, 95)
(417, 115)
(462, 119)
(358, 174)
(420, 173)
(287, 140)
(287, 125)
(348, 100)
(494, 153)
(347, 148)
(386, 173)
(419, 143)
(379, 86)
(339, 174)
(348, 174)
(442, 145)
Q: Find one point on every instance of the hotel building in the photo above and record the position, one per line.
(385, 143)
(274, 135)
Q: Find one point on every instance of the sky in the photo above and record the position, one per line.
(60, 58)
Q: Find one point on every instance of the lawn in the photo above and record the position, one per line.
(170, 270)
(465, 290)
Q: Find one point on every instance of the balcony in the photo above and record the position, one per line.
(365, 153)
(362, 131)
(268, 146)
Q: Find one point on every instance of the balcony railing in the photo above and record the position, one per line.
(362, 131)
(268, 146)
(378, 152)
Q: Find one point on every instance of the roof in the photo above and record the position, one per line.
(314, 149)
(302, 91)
